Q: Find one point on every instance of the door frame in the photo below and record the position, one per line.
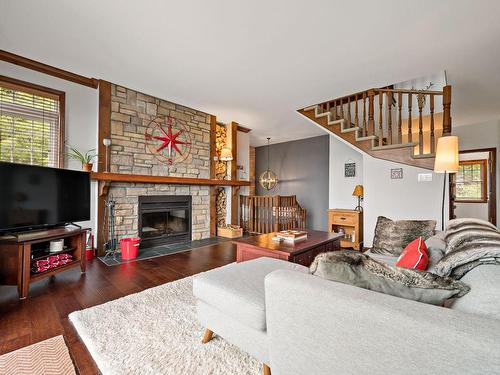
(492, 184)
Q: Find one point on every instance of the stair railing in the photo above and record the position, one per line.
(396, 116)
(265, 214)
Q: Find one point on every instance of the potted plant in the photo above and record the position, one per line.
(85, 158)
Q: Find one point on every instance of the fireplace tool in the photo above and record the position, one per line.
(110, 246)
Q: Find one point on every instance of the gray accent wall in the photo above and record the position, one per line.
(302, 167)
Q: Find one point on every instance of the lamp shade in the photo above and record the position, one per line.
(226, 154)
(358, 191)
(446, 155)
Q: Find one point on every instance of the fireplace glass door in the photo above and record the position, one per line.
(165, 223)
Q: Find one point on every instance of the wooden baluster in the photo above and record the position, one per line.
(410, 103)
(420, 102)
(433, 141)
(447, 110)
(349, 122)
(380, 118)
(400, 120)
(341, 108)
(364, 114)
(371, 110)
(389, 117)
(356, 117)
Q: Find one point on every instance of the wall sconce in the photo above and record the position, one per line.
(106, 142)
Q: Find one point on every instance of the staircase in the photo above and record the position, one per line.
(399, 125)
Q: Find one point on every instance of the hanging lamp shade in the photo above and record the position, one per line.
(268, 179)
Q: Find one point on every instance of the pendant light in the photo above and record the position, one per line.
(268, 178)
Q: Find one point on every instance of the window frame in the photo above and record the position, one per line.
(32, 88)
(484, 182)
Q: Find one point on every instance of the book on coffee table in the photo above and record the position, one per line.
(291, 236)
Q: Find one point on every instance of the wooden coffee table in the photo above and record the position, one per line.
(302, 252)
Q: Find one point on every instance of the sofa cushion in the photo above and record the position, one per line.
(237, 290)
(484, 296)
(414, 256)
(354, 268)
(391, 237)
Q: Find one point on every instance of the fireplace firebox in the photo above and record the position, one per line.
(164, 219)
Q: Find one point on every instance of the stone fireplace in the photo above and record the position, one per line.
(131, 112)
(164, 219)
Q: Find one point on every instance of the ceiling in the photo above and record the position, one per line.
(256, 62)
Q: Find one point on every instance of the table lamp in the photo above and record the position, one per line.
(225, 156)
(358, 192)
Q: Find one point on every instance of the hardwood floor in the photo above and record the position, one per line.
(45, 313)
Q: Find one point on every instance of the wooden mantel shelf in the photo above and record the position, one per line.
(122, 177)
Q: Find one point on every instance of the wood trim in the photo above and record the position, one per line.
(48, 69)
(233, 128)
(103, 132)
(48, 92)
(122, 177)
(62, 129)
(213, 189)
(234, 172)
(243, 129)
(104, 123)
(213, 151)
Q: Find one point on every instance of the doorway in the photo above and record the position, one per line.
(473, 188)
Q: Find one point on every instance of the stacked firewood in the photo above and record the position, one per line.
(220, 143)
(221, 207)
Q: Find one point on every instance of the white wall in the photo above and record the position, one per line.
(81, 119)
(340, 187)
(399, 199)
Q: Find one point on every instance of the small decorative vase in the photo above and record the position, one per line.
(87, 167)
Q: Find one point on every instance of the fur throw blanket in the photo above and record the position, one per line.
(469, 243)
(355, 268)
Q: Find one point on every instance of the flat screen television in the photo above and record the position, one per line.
(33, 197)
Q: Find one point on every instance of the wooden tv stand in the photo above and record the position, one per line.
(16, 255)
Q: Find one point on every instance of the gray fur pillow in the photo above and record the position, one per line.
(357, 269)
(391, 237)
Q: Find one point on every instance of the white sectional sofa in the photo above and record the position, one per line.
(298, 323)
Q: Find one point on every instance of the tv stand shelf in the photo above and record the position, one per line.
(15, 255)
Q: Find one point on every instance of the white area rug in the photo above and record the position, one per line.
(156, 332)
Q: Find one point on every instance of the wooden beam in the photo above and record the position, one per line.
(213, 189)
(48, 69)
(233, 128)
(213, 151)
(147, 179)
(243, 129)
(103, 132)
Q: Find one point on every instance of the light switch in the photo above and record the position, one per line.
(424, 177)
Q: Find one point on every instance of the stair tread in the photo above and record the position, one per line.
(399, 145)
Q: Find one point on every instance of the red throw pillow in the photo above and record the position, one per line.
(414, 256)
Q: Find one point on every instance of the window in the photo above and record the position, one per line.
(31, 124)
(471, 181)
